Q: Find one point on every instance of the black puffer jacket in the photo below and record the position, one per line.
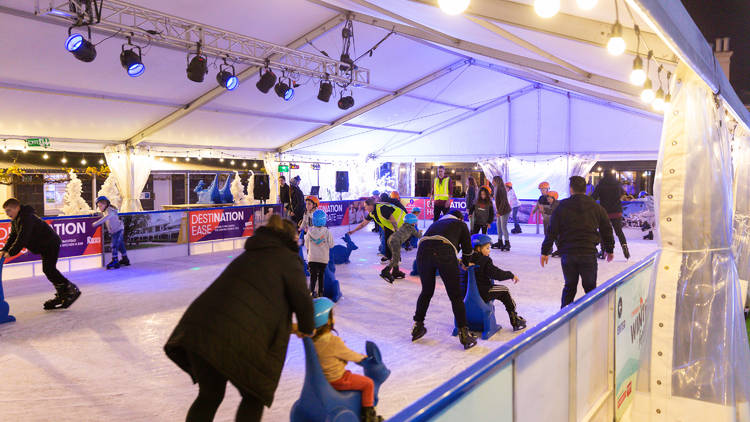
(484, 272)
(29, 231)
(608, 192)
(241, 323)
(298, 203)
(575, 226)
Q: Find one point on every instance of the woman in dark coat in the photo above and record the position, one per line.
(609, 193)
(502, 209)
(238, 329)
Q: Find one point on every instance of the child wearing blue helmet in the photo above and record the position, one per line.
(333, 355)
(485, 271)
(116, 231)
(319, 241)
(406, 231)
(412, 242)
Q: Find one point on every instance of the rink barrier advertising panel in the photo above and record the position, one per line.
(151, 229)
(220, 223)
(560, 348)
(337, 212)
(79, 237)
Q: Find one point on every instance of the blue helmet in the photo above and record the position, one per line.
(480, 240)
(322, 307)
(319, 218)
(376, 193)
(416, 210)
(410, 219)
(102, 199)
(643, 194)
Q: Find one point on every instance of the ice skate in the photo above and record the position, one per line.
(497, 245)
(125, 261)
(506, 246)
(398, 274)
(418, 331)
(369, 415)
(600, 255)
(466, 338)
(64, 297)
(649, 236)
(386, 275)
(555, 254)
(55, 302)
(516, 321)
(625, 251)
(114, 264)
(383, 260)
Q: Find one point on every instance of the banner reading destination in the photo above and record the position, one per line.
(224, 223)
(78, 236)
(337, 212)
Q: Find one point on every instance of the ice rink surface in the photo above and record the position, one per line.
(102, 359)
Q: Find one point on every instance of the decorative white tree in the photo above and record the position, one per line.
(110, 190)
(238, 190)
(73, 202)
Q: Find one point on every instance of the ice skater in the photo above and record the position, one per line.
(116, 231)
(482, 211)
(387, 216)
(319, 242)
(407, 230)
(544, 207)
(485, 271)
(442, 187)
(515, 204)
(437, 252)
(311, 204)
(29, 231)
(413, 241)
(333, 355)
(609, 192)
(502, 207)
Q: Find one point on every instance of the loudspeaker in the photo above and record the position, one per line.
(261, 187)
(342, 181)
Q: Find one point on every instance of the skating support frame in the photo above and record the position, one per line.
(4, 307)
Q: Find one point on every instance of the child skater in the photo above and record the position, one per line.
(406, 231)
(311, 204)
(319, 241)
(116, 231)
(482, 211)
(485, 271)
(333, 356)
(413, 241)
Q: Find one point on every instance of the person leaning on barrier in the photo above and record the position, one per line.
(576, 226)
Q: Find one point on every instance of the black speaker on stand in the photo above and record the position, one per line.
(342, 182)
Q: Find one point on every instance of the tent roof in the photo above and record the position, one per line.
(433, 72)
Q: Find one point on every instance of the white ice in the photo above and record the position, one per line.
(102, 359)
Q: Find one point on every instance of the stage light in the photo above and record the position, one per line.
(658, 103)
(45, 156)
(80, 47)
(647, 95)
(546, 8)
(616, 44)
(325, 91)
(453, 7)
(101, 161)
(638, 75)
(131, 61)
(266, 82)
(197, 68)
(586, 4)
(283, 90)
(345, 103)
(227, 79)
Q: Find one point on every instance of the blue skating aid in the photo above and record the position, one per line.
(479, 314)
(493, 228)
(340, 253)
(302, 254)
(4, 307)
(319, 402)
(381, 248)
(331, 288)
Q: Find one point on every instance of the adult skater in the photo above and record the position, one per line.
(238, 329)
(437, 252)
(29, 231)
(609, 192)
(502, 210)
(472, 192)
(576, 226)
(387, 216)
(442, 187)
(296, 201)
(515, 204)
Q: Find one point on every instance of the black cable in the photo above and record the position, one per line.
(372, 50)
(113, 35)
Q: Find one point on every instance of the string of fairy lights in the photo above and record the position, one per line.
(654, 92)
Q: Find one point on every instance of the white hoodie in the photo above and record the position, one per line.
(319, 241)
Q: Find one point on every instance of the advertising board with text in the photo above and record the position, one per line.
(223, 223)
(79, 237)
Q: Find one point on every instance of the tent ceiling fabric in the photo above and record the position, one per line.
(74, 100)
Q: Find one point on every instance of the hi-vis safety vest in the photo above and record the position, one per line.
(398, 215)
(440, 189)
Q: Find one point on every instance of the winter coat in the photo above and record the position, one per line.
(513, 199)
(241, 323)
(608, 192)
(319, 242)
(298, 202)
(484, 213)
(284, 194)
(485, 271)
(502, 206)
(29, 231)
(111, 220)
(576, 226)
(471, 196)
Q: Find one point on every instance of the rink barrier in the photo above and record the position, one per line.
(561, 369)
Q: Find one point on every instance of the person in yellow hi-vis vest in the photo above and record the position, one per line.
(442, 187)
(385, 215)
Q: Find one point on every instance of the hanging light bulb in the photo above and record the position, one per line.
(453, 7)
(586, 4)
(25, 148)
(64, 160)
(221, 160)
(45, 156)
(101, 161)
(83, 161)
(546, 8)
(658, 103)
(231, 162)
(616, 44)
(637, 75)
(161, 158)
(244, 164)
(5, 146)
(647, 95)
(174, 159)
(668, 102)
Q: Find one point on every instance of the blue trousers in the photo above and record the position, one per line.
(118, 244)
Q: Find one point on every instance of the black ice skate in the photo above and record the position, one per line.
(369, 415)
(383, 260)
(114, 264)
(506, 246)
(625, 251)
(516, 229)
(517, 321)
(466, 338)
(386, 275)
(398, 274)
(125, 261)
(418, 331)
(497, 245)
(555, 254)
(649, 236)
(63, 298)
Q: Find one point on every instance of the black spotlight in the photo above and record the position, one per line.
(325, 91)
(267, 79)
(132, 62)
(345, 103)
(225, 78)
(80, 47)
(349, 63)
(197, 68)
(284, 91)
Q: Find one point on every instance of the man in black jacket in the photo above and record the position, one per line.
(437, 252)
(284, 193)
(576, 226)
(30, 232)
(609, 193)
(297, 201)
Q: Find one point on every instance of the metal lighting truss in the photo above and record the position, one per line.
(171, 31)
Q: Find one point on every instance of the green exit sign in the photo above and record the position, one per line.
(37, 142)
(283, 168)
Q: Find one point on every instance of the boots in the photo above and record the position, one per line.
(64, 297)
(398, 274)
(516, 229)
(386, 275)
(466, 338)
(506, 247)
(649, 236)
(497, 245)
(625, 251)
(369, 415)
(125, 261)
(418, 331)
(114, 264)
(517, 321)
